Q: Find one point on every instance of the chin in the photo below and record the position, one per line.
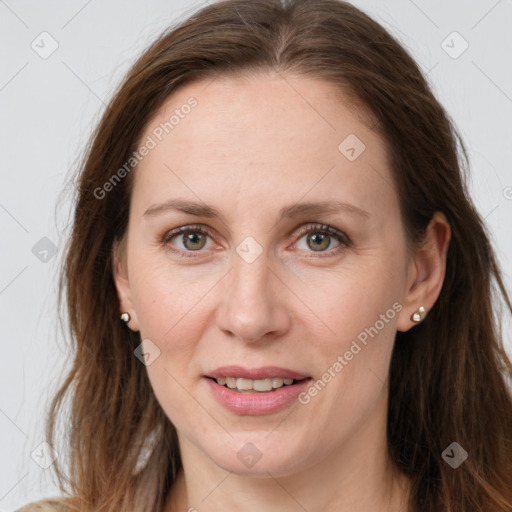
(258, 459)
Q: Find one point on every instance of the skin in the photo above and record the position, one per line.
(253, 145)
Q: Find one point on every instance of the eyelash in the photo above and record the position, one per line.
(323, 229)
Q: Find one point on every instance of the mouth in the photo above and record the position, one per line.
(266, 385)
(266, 379)
(258, 391)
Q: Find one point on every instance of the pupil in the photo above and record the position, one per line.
(319, 241)
(194, 238)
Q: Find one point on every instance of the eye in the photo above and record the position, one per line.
(187, 239)
(321, 238)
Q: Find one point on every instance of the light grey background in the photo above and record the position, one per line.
(49, 106)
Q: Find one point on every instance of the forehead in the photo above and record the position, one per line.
(263, 131)
(289, 105)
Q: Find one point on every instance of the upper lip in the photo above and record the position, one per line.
(265, 372)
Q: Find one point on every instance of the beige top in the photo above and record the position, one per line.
(47, 505)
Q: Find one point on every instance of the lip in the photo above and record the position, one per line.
(266, 372)
(256, 404)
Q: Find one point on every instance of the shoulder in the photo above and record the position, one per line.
(46, 505)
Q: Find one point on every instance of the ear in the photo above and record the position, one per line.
(426, 271)
(120, 274)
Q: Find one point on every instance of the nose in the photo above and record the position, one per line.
(253, 305)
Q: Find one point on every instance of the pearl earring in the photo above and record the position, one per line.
(125, 317)
(417, 316)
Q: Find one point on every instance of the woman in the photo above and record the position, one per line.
(273, 205)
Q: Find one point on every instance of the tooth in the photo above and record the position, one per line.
(244, 384)
(262, 385)
(231, 382)
(277, 382)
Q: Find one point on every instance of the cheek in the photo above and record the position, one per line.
(359, 308)
(353, 363)
(346, 301)
(170, 306)
(166, 297)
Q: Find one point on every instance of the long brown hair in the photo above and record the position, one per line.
(447, 375)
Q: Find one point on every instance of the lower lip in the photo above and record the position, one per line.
(256, 403)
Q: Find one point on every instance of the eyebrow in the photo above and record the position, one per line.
(296, 210)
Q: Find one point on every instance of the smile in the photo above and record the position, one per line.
(260, 385)
(257, 391)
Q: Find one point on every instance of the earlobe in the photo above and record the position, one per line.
(427, 272)
(120, 275)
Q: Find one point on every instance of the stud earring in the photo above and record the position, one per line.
(417, 316)
(125, 317)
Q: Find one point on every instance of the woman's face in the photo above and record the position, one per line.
(301, 271)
